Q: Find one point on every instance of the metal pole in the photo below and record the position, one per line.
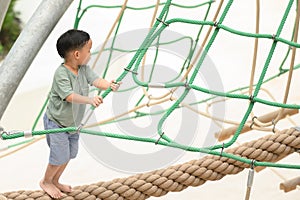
(4, 4)
(27, 46)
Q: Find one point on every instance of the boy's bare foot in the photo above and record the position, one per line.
(63, 188)
(51, 189)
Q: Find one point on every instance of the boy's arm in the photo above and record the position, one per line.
(103, 84)
(79, 99)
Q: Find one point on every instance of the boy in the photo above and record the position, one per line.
(67, 100)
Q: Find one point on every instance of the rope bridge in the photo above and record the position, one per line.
(264, 152)
(270, 148)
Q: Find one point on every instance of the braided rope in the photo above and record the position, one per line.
(176, 178)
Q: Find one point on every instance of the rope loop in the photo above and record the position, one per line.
(253, 118)
(171, 96)
(274, 125)
(149, 99)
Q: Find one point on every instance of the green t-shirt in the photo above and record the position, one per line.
(65, 83)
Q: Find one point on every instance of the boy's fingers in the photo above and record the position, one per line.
(116, 83)
(115, 86)
(99, 99)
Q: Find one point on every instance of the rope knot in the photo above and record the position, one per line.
(253, 118)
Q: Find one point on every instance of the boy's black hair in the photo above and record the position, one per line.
(71, 40)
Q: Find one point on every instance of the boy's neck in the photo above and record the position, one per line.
(72, 67)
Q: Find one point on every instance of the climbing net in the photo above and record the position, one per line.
(205, 30)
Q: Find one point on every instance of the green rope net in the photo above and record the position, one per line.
(189, 69)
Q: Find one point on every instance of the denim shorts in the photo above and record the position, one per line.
(63, 146)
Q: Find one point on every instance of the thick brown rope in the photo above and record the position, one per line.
(194, 173)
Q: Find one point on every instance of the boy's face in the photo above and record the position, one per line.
(84, 54)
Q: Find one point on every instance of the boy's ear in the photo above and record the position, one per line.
(76, 54)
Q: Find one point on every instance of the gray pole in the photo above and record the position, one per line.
(27, 46)
(4, 4)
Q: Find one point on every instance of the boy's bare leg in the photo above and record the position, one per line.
(62, 187)
(47, 182)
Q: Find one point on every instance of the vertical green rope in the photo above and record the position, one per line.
(260, 81)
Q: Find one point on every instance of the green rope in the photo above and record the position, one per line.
(79, 16)
(154, 141)
(112, 46)
(134, 65)
(40, 113)
(259, 83)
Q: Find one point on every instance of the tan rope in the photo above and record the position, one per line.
(255, 48)
(2, 197)
(207, 114)
(228, 132)
(170, 93)
(171, 98)
(127, 112)
(217, 120)
(287, 89)
(36, 139)
(291, 70)
(176, 178)
(195, 58)
(144, 58)
(274, 171)
(110, 32)
(255, 126)
(204, 41)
